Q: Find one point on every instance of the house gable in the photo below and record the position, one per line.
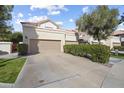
(42, 24)
(48, 25)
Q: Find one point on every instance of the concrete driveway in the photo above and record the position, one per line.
(61, 70)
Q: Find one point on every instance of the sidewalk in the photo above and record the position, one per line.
(6, 85)
(12, 55)
(115, 78)
(113, 60)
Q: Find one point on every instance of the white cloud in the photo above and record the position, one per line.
(37, 18)
(20, 15)
(14, 16)
(37, 7)
(19, 20)
(29, 14)
(71, 20)
(52, 10)
(49, 8)
(31, 19)
(85, 9)
(59, 23)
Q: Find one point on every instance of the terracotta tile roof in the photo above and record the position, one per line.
(73, 31)
(118, 32)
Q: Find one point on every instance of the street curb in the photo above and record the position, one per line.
(20, 73)
(7, 85)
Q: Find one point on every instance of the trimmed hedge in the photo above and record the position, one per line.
(97, 53)
(120, 48)
(22, 49)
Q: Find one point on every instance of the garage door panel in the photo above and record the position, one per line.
(39, 46)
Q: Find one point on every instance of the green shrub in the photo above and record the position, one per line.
(22, 49)
(120, 48)
(98, 53)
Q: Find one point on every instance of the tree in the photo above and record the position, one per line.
(16, 37)
(5, 26)
(122, 19)
(99, 23)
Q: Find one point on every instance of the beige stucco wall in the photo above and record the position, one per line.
(49, 34)
(113, 41)
(27, 33)
(46, 34)
(108, 42)
(71, 42)
(116, 44)
(70, 37)
(6, 47)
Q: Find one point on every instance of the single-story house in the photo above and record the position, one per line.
(46, 36)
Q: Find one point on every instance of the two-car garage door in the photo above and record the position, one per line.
(39, 46)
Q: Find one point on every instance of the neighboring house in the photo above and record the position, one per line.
(84, 37)
(46, 36)
(112, 40)
(89, 39)
(119, 37)
(116, 39)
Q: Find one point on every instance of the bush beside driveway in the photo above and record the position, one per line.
(97, 53)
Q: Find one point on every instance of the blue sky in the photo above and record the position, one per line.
(62, 15)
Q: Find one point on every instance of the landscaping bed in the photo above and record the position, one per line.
(10, 68)
(120, 56)
(119, 48)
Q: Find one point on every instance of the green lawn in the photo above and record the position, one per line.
(10, 68)
(121, 56)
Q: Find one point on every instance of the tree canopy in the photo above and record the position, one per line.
(5, 24)
(16, 37)
(122, 19)
(99, 23)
